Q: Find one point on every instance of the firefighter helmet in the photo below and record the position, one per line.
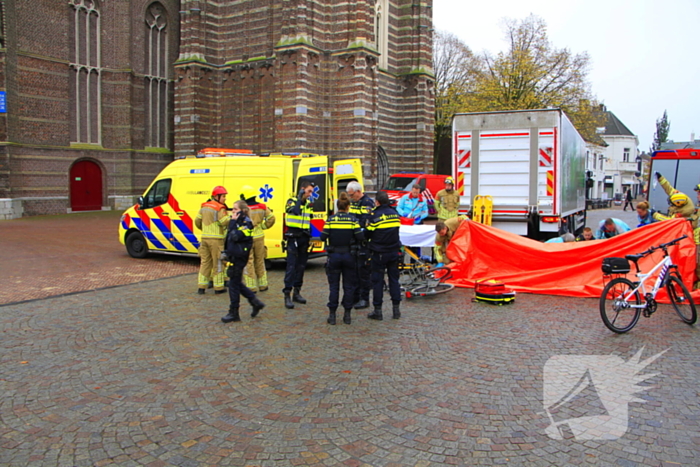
(678, 199)
(697, 187)
(248, 192)
(219, 190)
(449, 180)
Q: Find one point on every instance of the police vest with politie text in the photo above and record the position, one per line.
(362, 210)
(298, 214)
(343, 233)
(383, 230)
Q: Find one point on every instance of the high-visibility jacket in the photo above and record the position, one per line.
(262, 218)
(441, 241)
(383, 230)
(212, 219)
(342, 233)
(687, 211)
(298, 217)
(239, 240)
(362, 209)
(447, 204)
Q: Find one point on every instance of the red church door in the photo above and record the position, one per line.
(85, 186)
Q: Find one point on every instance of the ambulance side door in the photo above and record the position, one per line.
(344, 172)
(315, 170)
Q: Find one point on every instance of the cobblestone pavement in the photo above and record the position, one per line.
(45, 256)
(146, 374)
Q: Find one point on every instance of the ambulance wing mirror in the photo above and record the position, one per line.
(140, 201)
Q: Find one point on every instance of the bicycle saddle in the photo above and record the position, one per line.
(634, 258)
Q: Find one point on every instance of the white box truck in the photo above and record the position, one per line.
(531, 163)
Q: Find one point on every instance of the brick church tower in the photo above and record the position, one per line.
(348, 79)
(97, 96)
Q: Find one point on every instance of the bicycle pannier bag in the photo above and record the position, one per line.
(615, 266)
(493, 291)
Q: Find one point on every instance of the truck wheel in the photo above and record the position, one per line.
(136, 245)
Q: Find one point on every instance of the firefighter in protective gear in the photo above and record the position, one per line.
(239, 241)
(342, 235)
(361, 206)
(297, 219)
(263, 219)
(696, 235)
(445, 230)
(447, 201)
(385, 245)
(680, 205)
(212, 220)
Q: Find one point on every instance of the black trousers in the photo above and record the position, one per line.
(236, 287)
(380, 263)
(297, 256)
(364, 275)
(341, 265)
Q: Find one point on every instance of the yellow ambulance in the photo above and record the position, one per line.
(163, 219)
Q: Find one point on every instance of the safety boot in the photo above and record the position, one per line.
(288, 301)
(346, 316)
(396, 313)
(297, 296)
(231, 316)
(257, 306)
(331, 316)
(361, 304)
(376, 314)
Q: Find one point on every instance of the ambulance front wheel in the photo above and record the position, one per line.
(136, 245)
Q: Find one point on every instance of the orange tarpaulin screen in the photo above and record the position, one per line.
(571, 269)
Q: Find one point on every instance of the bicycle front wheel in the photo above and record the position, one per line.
(681, 300)
(616, 310)
(424, 290)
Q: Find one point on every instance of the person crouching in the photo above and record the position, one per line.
(343, 236)
(239, 241)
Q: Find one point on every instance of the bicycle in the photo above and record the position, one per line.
(622, 300)
(419, 279)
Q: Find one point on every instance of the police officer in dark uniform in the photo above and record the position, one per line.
(361, 206)
(342, 234)
(298, 212)
(385, 245)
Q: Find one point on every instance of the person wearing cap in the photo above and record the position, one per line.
(212, 219)
(297, 220)
(262, 218)
(447, 201)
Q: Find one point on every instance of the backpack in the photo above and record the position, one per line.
(493, 291)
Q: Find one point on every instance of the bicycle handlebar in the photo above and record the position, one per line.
(663, 246)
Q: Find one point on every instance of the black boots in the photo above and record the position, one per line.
(288, 301)
(257, 306)
(361, 304)
(376, 314)
(297, 296)
(232, 316)
(396, 313)
(331, 316)
(346, 315)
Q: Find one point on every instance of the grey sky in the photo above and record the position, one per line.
(644, 54)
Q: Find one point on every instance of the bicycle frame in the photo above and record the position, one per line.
(665, 264)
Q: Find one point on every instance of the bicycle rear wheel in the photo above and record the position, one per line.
(617, 314)
(424, 290)
(681, 300)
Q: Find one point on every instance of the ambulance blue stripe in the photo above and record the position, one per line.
(147, 233)
(168, 234)
(189, 235)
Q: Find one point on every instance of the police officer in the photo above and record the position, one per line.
(342, 234)
(298, 222)
(239, 241)
(361, 207)
(211, 220)
(263, 219)
(385, 245)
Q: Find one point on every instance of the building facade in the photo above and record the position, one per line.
(623, 164)
(100, 95)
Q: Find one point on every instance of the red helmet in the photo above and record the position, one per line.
(219, 190)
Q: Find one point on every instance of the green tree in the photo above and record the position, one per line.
(663, 126)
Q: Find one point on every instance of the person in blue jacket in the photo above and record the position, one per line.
(611, 227)
(413, 206)
(645, 216)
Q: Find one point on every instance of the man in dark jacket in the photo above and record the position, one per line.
(385, 246)
(298, 213)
